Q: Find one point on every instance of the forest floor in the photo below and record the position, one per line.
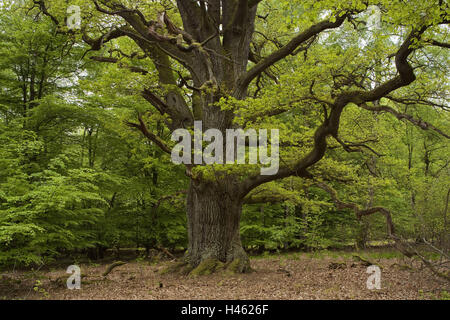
(295, 276)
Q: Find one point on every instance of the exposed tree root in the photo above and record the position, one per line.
(207, 267)
(181, 267)
(239, 266)
(210, 266)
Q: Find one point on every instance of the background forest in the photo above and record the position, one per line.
(75, 179)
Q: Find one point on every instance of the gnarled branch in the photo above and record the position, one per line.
(331, 125)
(288, 49)
(400, 116)
(152, 137)
(403, 246)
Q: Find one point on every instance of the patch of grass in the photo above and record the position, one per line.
(282, 263)
(444, 295)
(266, 255)
(317, 254)
(384, 255)
(296, 256)
(37, 288)
(434, 256)
(370, 254)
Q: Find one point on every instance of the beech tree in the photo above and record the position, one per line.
(216, 61)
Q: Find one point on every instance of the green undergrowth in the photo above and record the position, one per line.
(327, 254)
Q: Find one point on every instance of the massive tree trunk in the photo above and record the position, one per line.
(214, 213)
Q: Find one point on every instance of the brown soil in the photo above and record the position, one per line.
(276, 277)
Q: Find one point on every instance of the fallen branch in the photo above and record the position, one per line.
(366, 262)
(167, 253)
(112, 266)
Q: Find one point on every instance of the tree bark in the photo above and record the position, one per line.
(214, 212)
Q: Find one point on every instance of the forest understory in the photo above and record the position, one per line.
(320, 275)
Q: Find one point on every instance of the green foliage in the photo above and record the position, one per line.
(75, 178)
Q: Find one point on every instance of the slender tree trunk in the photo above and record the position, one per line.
(214, 213)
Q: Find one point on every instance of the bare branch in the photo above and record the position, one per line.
(121, 65)
(97, 44)
(152, 137)
(356, 147)
(44, 10)
(439, 44)
(419, 123)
